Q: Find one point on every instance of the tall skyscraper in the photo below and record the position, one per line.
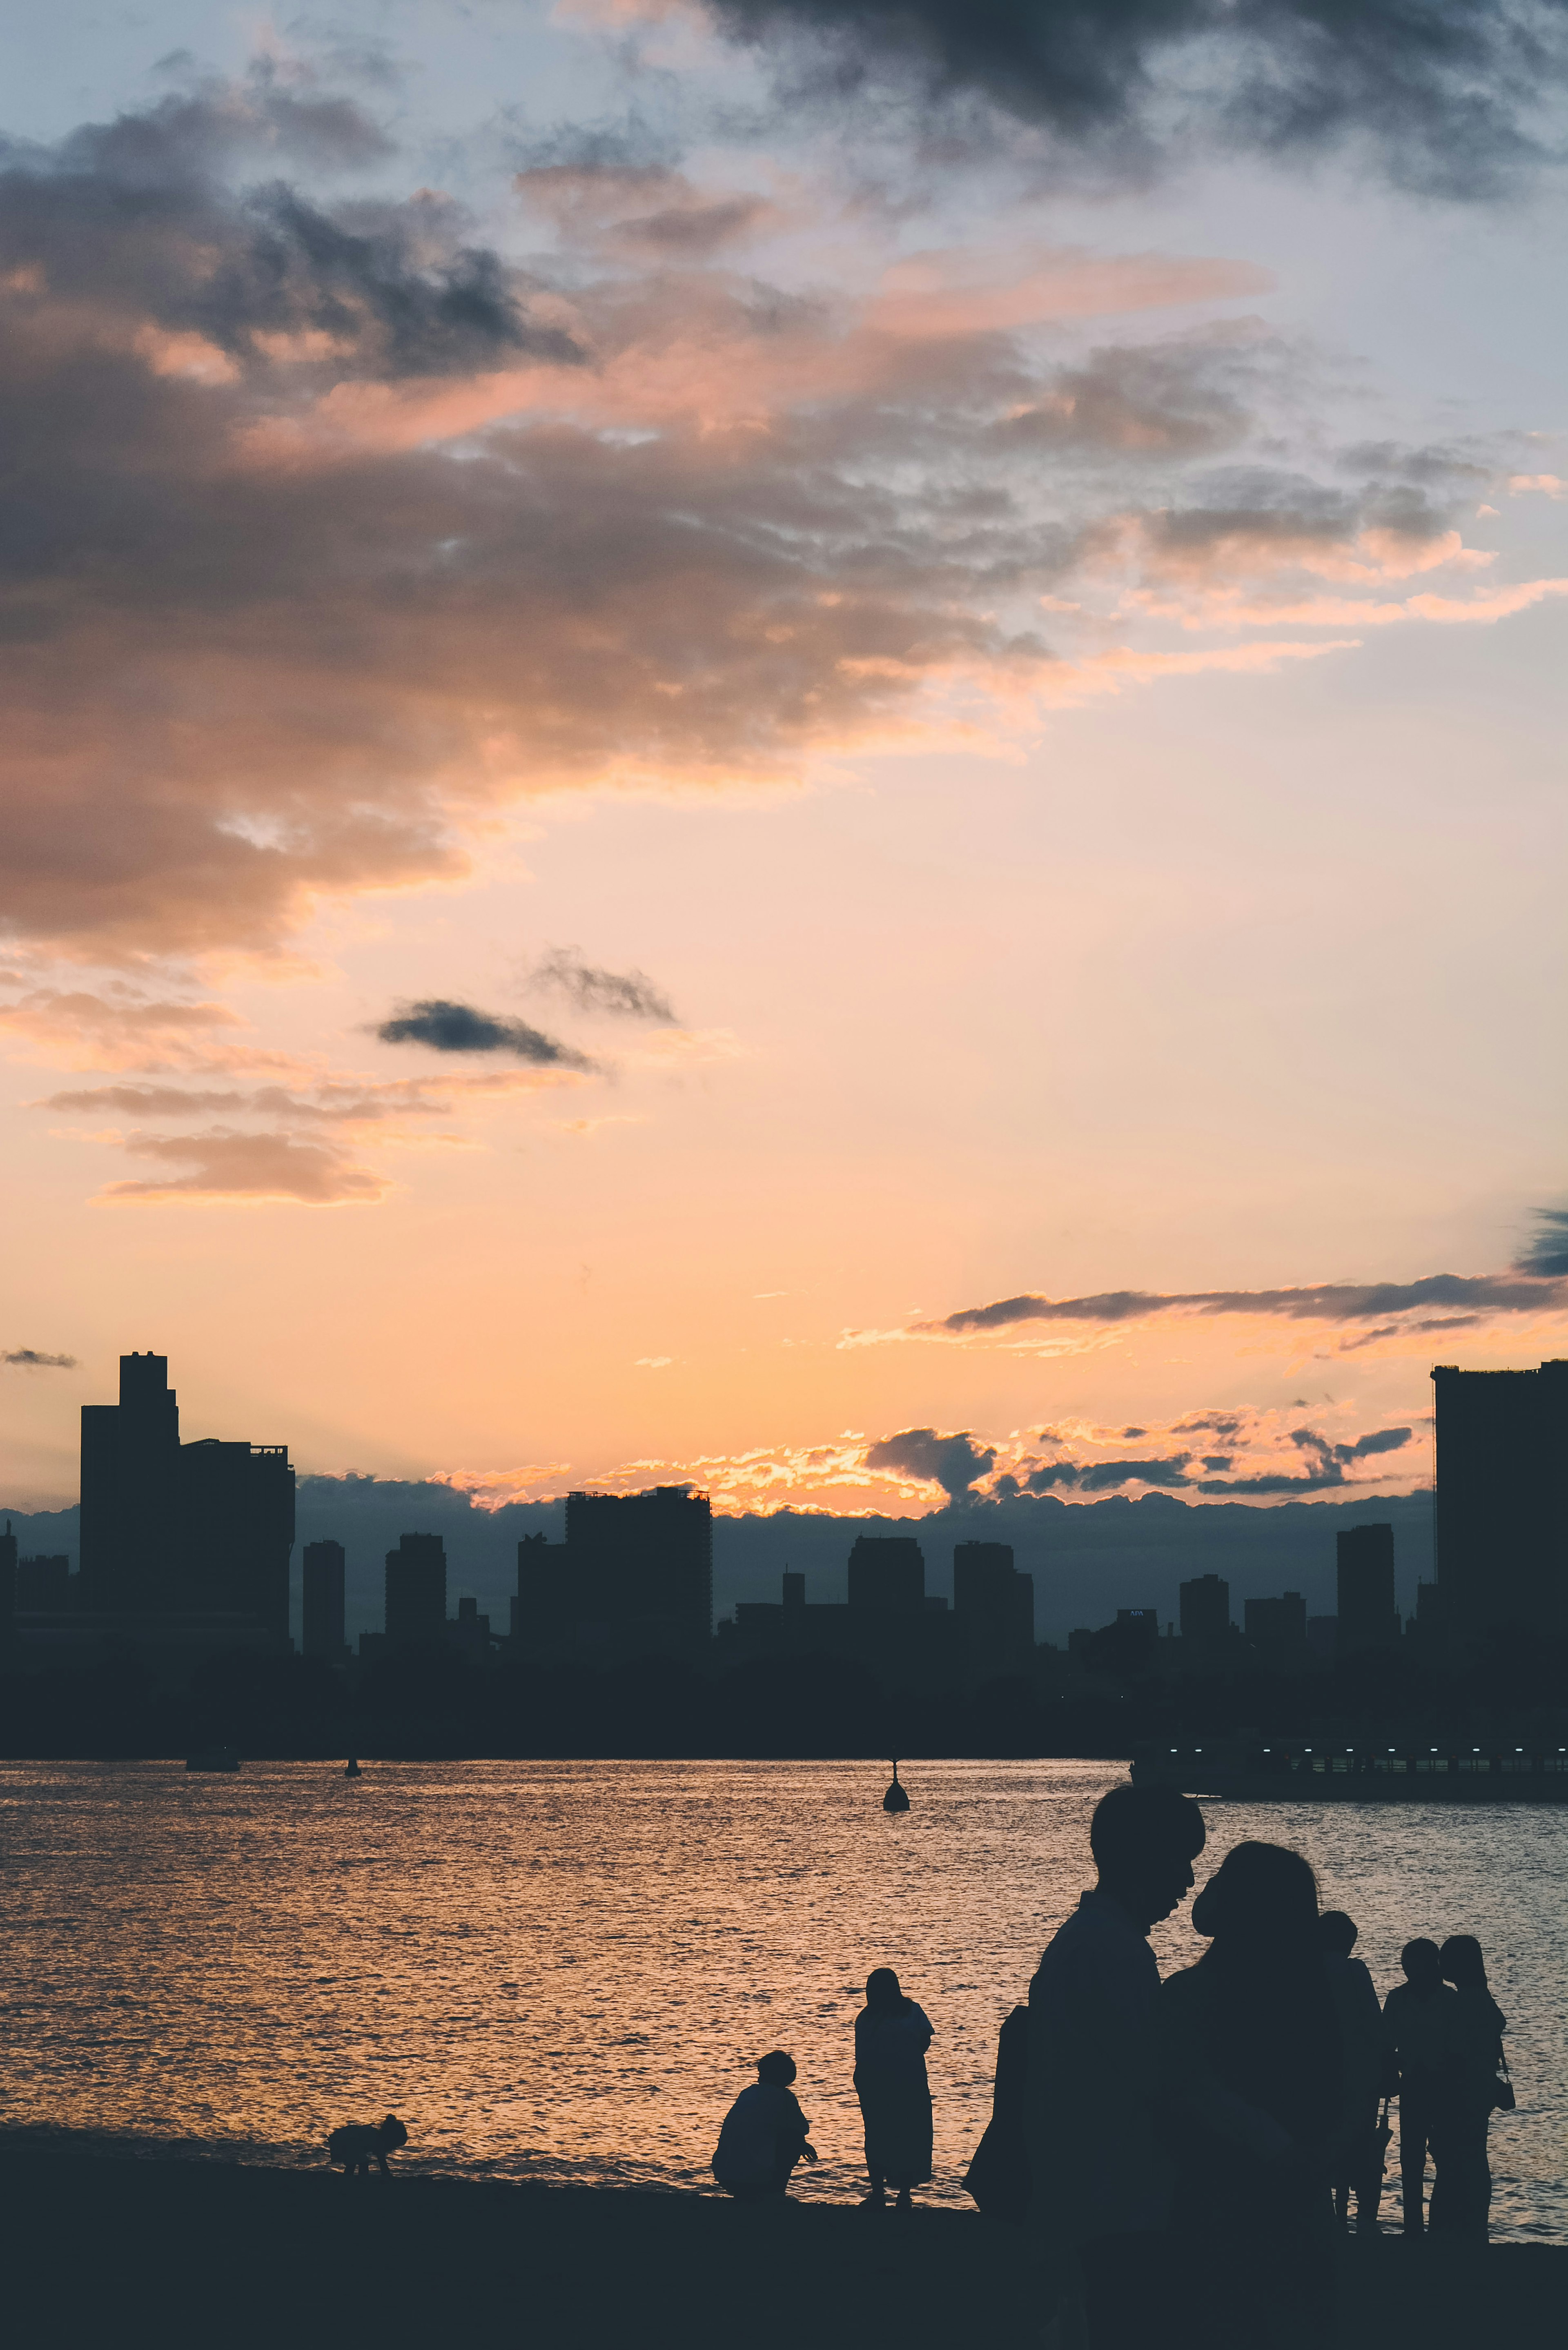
(170, 1526)
(129, 1510)
(993, 1602)
(1205, 1608)
(886, 1571)
(1367, 1617)
(644, 1559)
(324, 1632)
(1501, 1517)
(416, 1591)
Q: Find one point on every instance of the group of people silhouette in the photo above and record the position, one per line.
(1212, 2126)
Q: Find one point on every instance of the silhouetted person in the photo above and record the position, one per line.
(1362, 2165)
(763, 2135)
(998, 2176)
(1419, 2047)
(892, 2034)
(1260, 2077)
(1100, 2187)
(1461, 2192)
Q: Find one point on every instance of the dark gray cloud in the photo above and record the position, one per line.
(1331, 1300)
(1096, 1476)
(1330, 1462)
(448, 1027)
(1546, 1254)
(125, 217)
(622, 995)
(1447, 94)
(28, 1358)
(956, 1463)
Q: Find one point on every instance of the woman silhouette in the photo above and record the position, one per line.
(1461, 2190)
(892, 2034)
(1260, 2084)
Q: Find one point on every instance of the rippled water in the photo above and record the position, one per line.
(563, 1970)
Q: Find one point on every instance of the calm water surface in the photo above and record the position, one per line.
(563, 1971)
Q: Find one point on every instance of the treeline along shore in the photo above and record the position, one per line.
(115, 2248)
(433, 1704)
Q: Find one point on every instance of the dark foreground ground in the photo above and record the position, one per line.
(119, 2252)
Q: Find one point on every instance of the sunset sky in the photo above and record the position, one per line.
(773, 746)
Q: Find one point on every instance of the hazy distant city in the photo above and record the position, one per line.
(186, 1557)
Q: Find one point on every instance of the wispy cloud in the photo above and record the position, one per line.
(1478, 1294)
(223, 1166)
(28, 1358)
(619, 994)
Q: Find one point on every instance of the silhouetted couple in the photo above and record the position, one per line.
(765, 2131)
(1181, 2137)
(1443, 2043)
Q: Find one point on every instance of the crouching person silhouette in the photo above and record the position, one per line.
(763, 2135)
(358, 2145)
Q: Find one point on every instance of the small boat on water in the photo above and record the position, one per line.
(897, 1798)
(212, 1758)
(352, 1770)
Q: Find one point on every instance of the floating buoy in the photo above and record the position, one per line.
(896, 1797)
(353, 1770)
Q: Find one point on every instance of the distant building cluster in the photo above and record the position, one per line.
(891, 1623)
(185, 1547)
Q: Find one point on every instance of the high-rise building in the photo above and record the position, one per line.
(888, 1573)
(1367, 1617)
(644, 1562)
(1276, 1624)
(169, 1526)
(543, 1610)
(323, 1627)
(793, 1587)
(1502, 1521)
(1206, 1608)
(130, 1512)
(994, 1603)
(416, 1591)
(235, 1529)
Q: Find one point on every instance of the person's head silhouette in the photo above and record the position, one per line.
(1337, 1933)
(1461, 1963)
(884, 1995)
(1423, 1964)
(1262, 1898)
(775, 2070)
(1145, 1841)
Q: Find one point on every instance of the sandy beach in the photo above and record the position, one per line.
(176, 2251)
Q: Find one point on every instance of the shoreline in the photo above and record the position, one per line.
(104, 2246)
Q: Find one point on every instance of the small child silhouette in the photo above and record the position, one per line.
(763, 2134)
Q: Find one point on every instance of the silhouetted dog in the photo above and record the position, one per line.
(358, 2145)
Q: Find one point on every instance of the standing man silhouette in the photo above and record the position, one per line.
(1100, 2197)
